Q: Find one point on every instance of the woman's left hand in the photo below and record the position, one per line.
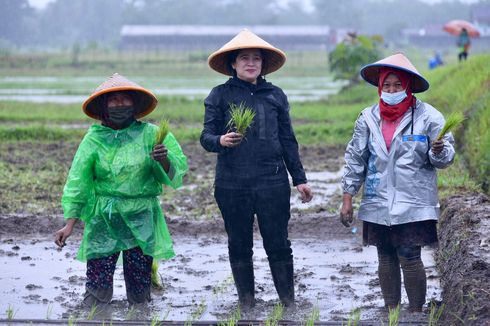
(159, 153)
(437, 146)
(305, 192)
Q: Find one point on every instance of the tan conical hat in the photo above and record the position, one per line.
(370, 72)
(144, 103)
(274, 58)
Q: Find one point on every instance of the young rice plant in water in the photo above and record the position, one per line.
(241, 118)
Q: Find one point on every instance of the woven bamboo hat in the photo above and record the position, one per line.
(370, 73)
(144, 100)
(274, 58)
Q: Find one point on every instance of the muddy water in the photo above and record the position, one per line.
(334, 275)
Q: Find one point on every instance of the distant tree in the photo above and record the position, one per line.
(354, 52)
(14, 17)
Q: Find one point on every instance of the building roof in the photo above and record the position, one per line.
(263, 30)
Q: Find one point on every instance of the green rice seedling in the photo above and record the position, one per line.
(354, 317)
(92, 312)
(163, 129)
(435, 313)
(313, 317)
(241, 118)
(276, 315)
(196, 313)
(155, 276)
(232, 319)
(223, 286)
(154, 321)
(72, 320)
(131, 313)
(393, 316)
(453, 121)
(10, 312)
(49, 311)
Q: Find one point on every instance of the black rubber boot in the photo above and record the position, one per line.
(415, 282)
(283, 276)
(389, 279)
(97, 297)
(243, 274)
(138, 298)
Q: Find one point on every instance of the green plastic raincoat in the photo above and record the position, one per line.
(113, 186)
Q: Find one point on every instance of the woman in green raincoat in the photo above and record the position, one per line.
(113, 187)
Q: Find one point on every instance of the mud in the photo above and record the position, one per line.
(334, 273)
(464, 256)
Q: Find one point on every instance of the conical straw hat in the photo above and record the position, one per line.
(274, 58)
(144, 103)
(370, 72)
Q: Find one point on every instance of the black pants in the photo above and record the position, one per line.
(272, 207)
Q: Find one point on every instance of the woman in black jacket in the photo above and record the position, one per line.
(252, 171)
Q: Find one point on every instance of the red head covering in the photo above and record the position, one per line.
(393, 112)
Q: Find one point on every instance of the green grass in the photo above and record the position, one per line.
(464, 88)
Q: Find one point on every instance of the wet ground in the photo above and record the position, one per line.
(334, 273)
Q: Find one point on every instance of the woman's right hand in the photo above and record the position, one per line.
(346, 214)
(230, 139)
(62, 234)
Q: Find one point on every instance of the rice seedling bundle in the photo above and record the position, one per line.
(241, 118)
(453, 121)
(162, 132)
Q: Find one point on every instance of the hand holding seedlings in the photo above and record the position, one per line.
(346, 210)
(305, 192)
(437, 146)
(159, 154)
(230, 139)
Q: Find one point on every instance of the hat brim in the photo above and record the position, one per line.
(144, 103)
(370, 73)
(273, 60)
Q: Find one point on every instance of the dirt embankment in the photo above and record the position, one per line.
(463, 259)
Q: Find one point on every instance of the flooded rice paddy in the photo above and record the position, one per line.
(75, 89)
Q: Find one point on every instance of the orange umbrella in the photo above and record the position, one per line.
(455, 27)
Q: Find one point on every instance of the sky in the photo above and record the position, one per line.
(42, 3)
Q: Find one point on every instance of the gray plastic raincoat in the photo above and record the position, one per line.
(400, 186)
(113, 186)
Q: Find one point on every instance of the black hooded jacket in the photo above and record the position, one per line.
(269, 145)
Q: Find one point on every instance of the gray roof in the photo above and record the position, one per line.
(153, 30)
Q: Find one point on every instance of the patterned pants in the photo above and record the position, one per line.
(137, 274)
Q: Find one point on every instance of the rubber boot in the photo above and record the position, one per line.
(97, 297)
(389, 279)
(243, 275)
(138, 298)
(415, 282)
(283, 277)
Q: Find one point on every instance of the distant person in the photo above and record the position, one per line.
(252, 170)
(464, 44)
(395, 154)
(113, 187)
(435, 61)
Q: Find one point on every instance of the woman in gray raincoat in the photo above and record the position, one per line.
(395, 154)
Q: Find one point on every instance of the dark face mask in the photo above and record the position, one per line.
(121, 116)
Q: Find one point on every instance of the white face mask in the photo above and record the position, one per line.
(393, 98)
